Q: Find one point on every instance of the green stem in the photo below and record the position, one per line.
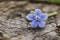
(51, 14)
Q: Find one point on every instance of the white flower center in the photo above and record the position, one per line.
(37, 18)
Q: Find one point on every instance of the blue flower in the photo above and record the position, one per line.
(38, 19)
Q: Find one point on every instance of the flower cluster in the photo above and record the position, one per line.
(38, 19)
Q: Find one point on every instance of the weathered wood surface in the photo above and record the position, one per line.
(16, 27)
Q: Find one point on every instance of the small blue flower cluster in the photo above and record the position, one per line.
(38, 19)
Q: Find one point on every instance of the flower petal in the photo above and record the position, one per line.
(37, 11)
(41, 24)
(30, 17)
(44, 16)
(34, 23)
